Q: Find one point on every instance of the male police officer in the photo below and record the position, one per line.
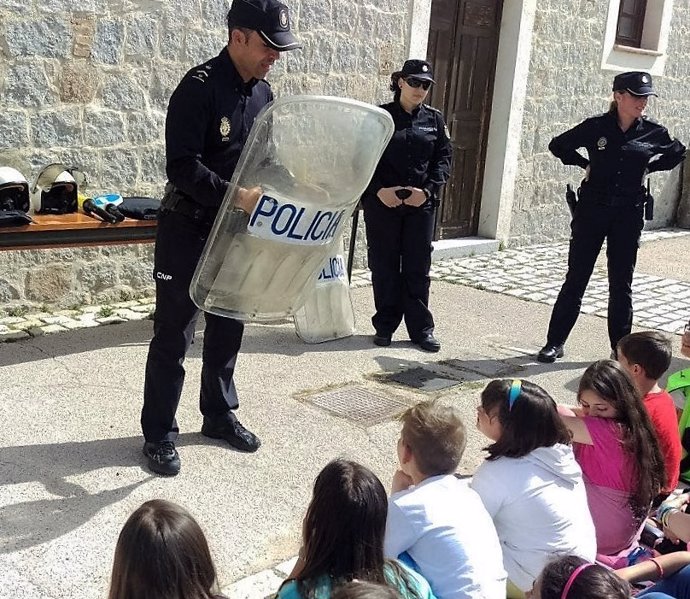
(209, 118)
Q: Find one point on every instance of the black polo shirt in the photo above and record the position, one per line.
(209, 118)
(618, 159)
(418, 154)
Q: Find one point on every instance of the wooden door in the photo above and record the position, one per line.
(463, 43)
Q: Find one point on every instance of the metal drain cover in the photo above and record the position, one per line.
(359, 404)
(421, 378)
(488, 367)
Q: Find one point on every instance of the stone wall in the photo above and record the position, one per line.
(71, 277)
(87, 84)
(566, 84)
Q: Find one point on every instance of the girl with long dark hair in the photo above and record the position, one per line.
(342, 538)
(618, 451)
(162, 553)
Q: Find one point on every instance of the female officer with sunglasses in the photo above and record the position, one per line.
(399, 206)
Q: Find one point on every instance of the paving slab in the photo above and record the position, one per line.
(71, 469)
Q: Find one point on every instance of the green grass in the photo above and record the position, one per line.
(106, 311)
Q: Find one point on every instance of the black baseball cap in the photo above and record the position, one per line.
(269, 18)
(637, 83)
(418, 69)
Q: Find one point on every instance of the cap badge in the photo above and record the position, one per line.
(645, 79)
(283, 18)
(425, 68)
(601, 143)
(225, 127)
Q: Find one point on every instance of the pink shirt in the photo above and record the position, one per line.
(609, 475)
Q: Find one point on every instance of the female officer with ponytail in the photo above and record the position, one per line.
(623, 146)
(399, 207)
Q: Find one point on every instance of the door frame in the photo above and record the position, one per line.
(501, 163)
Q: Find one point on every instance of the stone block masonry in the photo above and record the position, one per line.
(70, 277)
(566, 85)
(87, 84)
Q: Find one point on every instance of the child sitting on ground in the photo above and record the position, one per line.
(571, 577)
(618, 451)
(162, 552)
(434, 517)
(646, 356)
(342, 538)
(530, 483)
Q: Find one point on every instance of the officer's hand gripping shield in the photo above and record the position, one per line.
(307, 161)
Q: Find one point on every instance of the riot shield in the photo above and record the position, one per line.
(308, 159)
(327, 313)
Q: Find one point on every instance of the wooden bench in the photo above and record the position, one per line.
(75, 230)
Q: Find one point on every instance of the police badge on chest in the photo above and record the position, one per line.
(225, 129)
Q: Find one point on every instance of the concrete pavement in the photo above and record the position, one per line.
(71, 468)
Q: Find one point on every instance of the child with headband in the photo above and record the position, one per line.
(571, 577)
(618, 451)
(530, 482)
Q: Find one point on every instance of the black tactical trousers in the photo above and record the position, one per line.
(179, 244)
(399, 254)
(593, 222)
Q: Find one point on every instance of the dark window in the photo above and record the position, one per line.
(630, 22)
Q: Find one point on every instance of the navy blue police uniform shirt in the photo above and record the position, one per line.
(618, 159)
(209, 118)
(418, 154)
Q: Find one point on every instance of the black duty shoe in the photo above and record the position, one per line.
(382, 340)
(549, 353)
(162, 458)
(231, 430)
(428, 343)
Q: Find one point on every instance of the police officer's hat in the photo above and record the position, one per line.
(636, 83)
(269, 18)
(418, 69)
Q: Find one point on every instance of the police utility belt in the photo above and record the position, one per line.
(635, 198)
(176, 201)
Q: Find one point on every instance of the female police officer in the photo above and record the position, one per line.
(399, 209)
(623, 146)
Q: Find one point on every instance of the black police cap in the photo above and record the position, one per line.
(419, 69)
(269, 18)
(637, 83)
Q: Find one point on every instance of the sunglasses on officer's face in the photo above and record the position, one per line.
(412, 82)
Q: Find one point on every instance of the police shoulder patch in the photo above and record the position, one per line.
(433, 109)
(651, 121)
(202, 72)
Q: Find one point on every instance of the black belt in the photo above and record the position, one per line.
(174, 201)
(633, 198)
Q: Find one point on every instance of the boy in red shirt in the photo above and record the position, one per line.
(646, 356)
